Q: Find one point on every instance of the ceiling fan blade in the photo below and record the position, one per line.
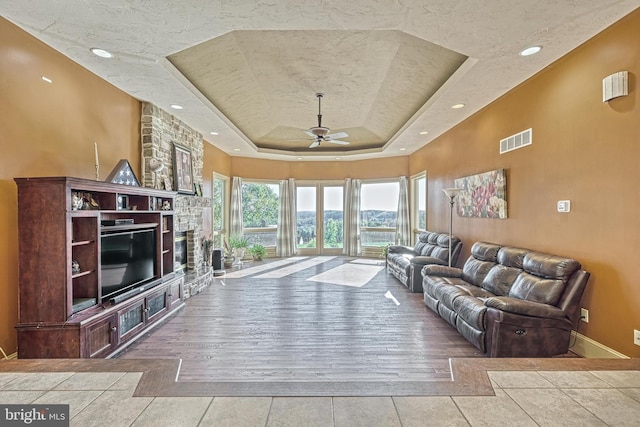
(337, 135)
(335, 141)
(314, 144)
(309, 133)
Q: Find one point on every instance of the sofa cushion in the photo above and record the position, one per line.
(476, 291)
(550, 266)
(500, 279)
(471, 310)
(512, 257)
(484, 251)
(533, 288)
(475, 270)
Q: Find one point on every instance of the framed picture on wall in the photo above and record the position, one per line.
(182, 169)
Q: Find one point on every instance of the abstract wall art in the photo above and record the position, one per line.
(483, 195)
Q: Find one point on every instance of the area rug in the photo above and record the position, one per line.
(351, 274)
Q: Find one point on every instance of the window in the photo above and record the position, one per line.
(378, 213)
(260, 204)
(419, 203)
(220, 197)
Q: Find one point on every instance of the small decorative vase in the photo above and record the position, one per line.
(228, 261)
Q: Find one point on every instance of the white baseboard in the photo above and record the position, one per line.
(588, 348)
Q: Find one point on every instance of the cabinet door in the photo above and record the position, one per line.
(101, 338)
(157, 304)
(175, 292)
(131, 320)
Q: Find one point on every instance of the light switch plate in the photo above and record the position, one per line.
(564, 206)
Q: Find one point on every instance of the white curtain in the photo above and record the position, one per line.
(352, 246)
(403, 225)
(235, 220)
(286, 234)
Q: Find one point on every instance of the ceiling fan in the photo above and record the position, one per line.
(320, 133)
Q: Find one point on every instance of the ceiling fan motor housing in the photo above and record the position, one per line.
(319, 131)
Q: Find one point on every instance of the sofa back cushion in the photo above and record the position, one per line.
(501, 277)
(483, 258)
(422, 242)
(550, 266)
(537, 289)
(435, 245)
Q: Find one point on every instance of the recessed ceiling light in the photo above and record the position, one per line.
(213, 133)
(531, 51)
(47, 79)
(338, 158)
(101, 52)
(299, 158)
(177, 107)
(457, 106)
(403, 149)
(236, 149)
(424, 132)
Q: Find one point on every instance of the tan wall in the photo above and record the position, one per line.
(583, 150)
(390, 167)
(49, 130)
(215, 160)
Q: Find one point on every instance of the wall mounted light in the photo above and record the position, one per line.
(615, 86)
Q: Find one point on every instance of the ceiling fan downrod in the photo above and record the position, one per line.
(319, 96)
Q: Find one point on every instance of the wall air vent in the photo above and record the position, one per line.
(516, 141)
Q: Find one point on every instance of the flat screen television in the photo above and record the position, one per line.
(128, 260)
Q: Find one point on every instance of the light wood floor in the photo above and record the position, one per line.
(290, 330)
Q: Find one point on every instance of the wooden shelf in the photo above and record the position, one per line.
(50, 242)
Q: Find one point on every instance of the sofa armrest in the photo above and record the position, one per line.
(426, 260)
(525, 308)
(399, 249)
(441, 270)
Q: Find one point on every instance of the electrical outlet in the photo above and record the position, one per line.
(584, 315)
(636, 337)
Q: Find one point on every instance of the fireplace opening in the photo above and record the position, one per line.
(181, 251)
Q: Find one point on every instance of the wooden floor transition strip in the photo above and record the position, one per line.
(469, 377)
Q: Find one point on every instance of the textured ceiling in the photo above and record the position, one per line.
(265, 82)
(248, 70)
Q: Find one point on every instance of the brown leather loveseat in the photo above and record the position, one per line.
(508, 301)
(406, 262)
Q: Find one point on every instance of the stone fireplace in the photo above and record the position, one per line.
(160, 131)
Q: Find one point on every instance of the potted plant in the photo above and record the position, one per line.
(258, 252)
(229, 259)
(239, 244)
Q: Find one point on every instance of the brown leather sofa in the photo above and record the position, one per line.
(509, 302)
(406, 262)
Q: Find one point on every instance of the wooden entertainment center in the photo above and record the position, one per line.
(63, 312)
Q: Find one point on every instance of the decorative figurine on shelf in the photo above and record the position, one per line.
(89, 202)
(75, 267)
(166, 205)
(76, 201)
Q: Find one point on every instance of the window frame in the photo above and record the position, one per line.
(368, 250)
(414, 204)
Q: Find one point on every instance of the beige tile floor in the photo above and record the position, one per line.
(522, 398)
